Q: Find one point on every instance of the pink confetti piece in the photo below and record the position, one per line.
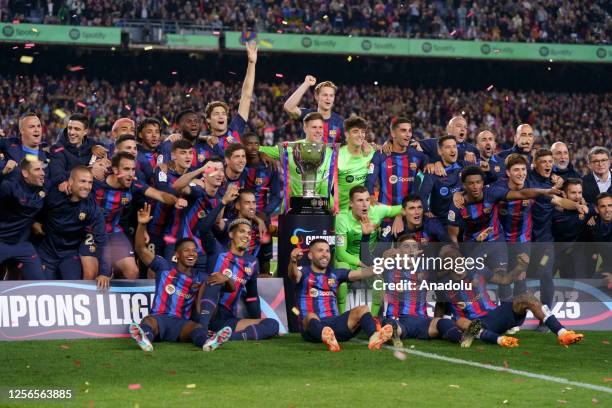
(29, 45)
(279, 31)
(22, 100)
(231, 72)
(81, 104)
(128, 107)
(76, 68)
(490, 87)
(279, 75)
(453, 33)
(216, 33)
(134, 387)
(16, 47)
(470, 14)
(169, 240)
(189, 91)
(174, 72)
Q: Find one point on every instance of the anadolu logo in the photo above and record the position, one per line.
(306, 42)
(366, 45)
(74, 34)
(8, 31)
(544, 51)
(601, 52)
(426, 47)
(485, 49)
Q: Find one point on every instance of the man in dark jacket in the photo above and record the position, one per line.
(562, 165)
(599, 180)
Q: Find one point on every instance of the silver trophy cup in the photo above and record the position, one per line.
(308, 157)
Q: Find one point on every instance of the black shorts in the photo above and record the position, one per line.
(502, 318)
(339, 324)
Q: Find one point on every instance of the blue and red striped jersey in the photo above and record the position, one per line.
(473, 303)
(199, 153)
(112, 201)
(243, 270)
(235, 130)
(264, 180)
(316, 292)
(476, 217)
(200, 204)
(396, 175)
(516, 218)
(163, 214)
(175, 291)
(333, 127)
(147, 162)
(405, 302)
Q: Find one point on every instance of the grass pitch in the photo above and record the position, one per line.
(288, 372)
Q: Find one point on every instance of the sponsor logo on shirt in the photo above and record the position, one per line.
(82, 216)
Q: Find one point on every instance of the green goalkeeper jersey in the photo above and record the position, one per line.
(352, 171)
(348, 232)
(295, 181)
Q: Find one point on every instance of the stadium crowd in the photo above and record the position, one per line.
(104, 102)
(194, 208)
(585, 21)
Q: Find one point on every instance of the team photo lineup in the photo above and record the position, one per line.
(388, 214)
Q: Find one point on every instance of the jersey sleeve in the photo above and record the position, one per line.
(342, 275)
(373, 172)
(342, 228)
(237, 126)
(384, 211)
(454, 216)
(424, 189)
(165, 151)
(496, 192)
(271, 151)
(139, 188)
(159, 264)
(58, 171)
(304, 112)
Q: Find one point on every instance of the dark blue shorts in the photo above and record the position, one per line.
(63, 264)
(502, 318)
(118, 247)
(25, 257)
(339, 324)
(222, 318)
(413, 327)
(170, 327)
(88, 246)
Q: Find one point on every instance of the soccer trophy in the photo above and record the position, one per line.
(309, 172)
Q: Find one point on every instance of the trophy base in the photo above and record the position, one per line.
(309, 205)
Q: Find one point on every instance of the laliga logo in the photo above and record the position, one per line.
(298, 241)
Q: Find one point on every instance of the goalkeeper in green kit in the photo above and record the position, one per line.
(350, 225)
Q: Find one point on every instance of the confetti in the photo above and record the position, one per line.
(232, 72)
(562, 401)
(77, 363)
(59, 113)
(284, 22)
(295, 311)
(35, 30)
(81, 104)
(22, 100)
(134, 387)
(594, 400)
(266, 44)
(490, 87)
(186, 392)
(544, 260)
(470, 14)
(399, 355)
(375, 82)
(189, 91)
(607, 379)
(349, 58)
(174, 72)
(453, 33)
(605, 342)
(128, 107)
(504, 401)
(26, 59)
(453, 386)
(165, 121)
(172, 372)
(32, 45)
(506, 364)
(279, 75)
(169, 240)
(16, 47)
(76, 68)
(64, 346)
(148, 48)
(404, 385)
(190, 385)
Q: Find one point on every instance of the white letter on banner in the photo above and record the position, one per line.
(112, 303)
(138, 312)
(65, 313)
(32, 310)
(18, 309)
(80, 303)
(46, 310)
(102, 320)
(125, 300)
(4, 311)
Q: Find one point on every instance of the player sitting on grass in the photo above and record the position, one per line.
(407, 307)
(475, 304)
(317, 285)
(177, 286)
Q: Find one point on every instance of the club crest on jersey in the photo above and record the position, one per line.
(124, 200)
(413, 166)
(333, 132)
(41, 194)
(162, 177)
(486, 210)
(248, 270)
(451, 216)
(386, 231)
(525, 203)
(331, 281)
(393, 179)
(443, 191)
(230, 139)
(201, 157)
(227, 273)
(371, 168)
(340, 241)
(92, 249)
(497, 169)
(82, 216)
(313, 292)
(201, 214)
(170, 289)
(259, 181)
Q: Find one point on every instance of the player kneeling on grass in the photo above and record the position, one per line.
(177, 286)
(475, 304)
(407, 308)
(317, 286)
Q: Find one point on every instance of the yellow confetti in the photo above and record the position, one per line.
(26, 59)
(295, 311)
(60, 113)
(349, 58)
(148, 48)
(266, 44)
(166, 121)
(191, 385)
(544, 260)
(454, 386)
(35, 30)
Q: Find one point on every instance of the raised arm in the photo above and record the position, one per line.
(528, 193)
(161, 196)
(249, 81)
(140, 245)
(293, 272)
(291, 104)
(183, 181)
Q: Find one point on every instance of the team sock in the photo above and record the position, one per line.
(148, 331)
(208, 304)
(448, 330)
(488, 336)
(367, 323)
(315, 328)
(551, 322)
(263, 330)
(199, 336)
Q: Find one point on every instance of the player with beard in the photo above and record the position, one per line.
(113, 194)
(66, 218)
(413, 222)
(523, 143)
(563, 167)
(324, 94)
(222, 132)
(122, 126)
(21, 199)
(458, 128)
(28, 145)
(235, 164)
(178, 286)
(317, 285)
(149, 137)
(601, 233)
(492, 165)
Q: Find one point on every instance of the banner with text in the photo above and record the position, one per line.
(33, 310)
(327, 44)
(193, 42)
(59, 34)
